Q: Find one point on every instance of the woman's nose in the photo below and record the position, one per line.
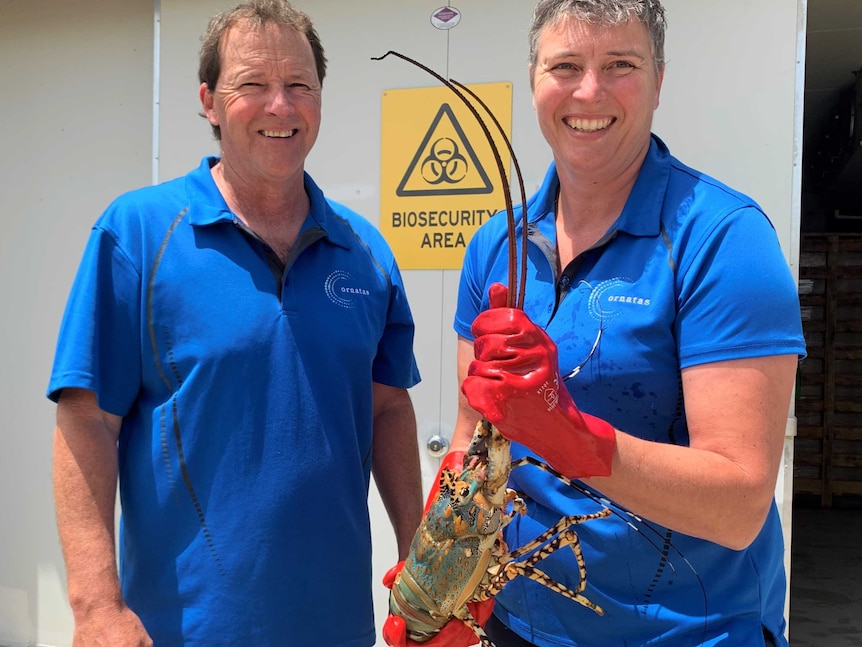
(589, 88)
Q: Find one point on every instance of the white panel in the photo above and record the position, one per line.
(184, 136)
(76, 105)
(728, 98)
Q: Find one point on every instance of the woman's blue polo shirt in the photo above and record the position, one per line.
(690, 273)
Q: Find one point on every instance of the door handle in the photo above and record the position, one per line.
(437, 446)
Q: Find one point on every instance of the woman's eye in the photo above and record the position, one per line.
(621, 68)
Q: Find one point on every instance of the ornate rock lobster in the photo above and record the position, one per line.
(458, 554)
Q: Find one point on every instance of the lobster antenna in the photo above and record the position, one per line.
(514, 297)
(627, 517)
(523, 274)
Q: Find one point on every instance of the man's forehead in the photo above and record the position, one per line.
(247, 33)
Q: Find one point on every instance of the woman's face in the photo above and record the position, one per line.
(595, 89)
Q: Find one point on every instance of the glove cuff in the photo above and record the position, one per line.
(585, 450)
(453, 461)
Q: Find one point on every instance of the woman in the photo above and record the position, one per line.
(669, 290)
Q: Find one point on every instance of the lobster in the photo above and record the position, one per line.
(458, 554)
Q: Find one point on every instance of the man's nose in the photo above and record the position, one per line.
(280, 101)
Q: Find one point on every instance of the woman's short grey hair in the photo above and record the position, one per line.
(255, 13)
(650, 13)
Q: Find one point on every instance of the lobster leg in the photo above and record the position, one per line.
(558, 528)
(561, 534)
(467, 618)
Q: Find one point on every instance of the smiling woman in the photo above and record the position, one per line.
(678, 413)
(594, 92)
(720, 110)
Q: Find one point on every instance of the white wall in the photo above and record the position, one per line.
(77, 101)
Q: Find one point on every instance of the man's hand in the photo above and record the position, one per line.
(515, 383)
(110, 627)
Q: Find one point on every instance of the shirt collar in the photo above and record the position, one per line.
(208, 207)
(641, 215)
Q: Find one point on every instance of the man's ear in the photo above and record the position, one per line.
(207, 103)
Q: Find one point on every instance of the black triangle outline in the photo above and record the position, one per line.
(487, 188)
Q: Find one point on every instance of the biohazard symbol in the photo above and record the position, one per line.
(445, 163)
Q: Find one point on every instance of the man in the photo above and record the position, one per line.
(236, 350)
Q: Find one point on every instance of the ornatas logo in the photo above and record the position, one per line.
(341, 290)
(610, 298)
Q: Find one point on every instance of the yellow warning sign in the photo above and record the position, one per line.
(439, 179)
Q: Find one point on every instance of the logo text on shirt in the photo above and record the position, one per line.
(607, 297)
(340, 292)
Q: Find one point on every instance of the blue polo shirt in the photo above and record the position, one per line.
(690, 273)
(246, 396)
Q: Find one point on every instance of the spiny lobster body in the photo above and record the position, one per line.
(458, 554)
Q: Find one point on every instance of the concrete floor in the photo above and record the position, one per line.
(826, 578)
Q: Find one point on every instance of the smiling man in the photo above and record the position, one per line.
(236, 351)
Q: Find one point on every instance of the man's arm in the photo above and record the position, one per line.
(395, 462)
(85, 489)
(465, 424)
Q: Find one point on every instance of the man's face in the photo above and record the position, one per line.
(266, 102)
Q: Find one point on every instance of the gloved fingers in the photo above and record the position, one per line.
(516, 358)
(512, 325)
(493, 347)
(391, 574)
(395, 631)
(498, 295)
(506, 321)
(474, 389)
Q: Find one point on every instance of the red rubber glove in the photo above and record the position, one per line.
(515, 383)
(454, 633)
